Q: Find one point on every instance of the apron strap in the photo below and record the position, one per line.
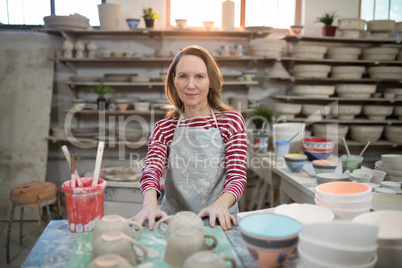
(213, 115)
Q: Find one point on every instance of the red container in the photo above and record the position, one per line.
(84, 205)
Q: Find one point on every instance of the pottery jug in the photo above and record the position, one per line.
(121, 244)
(109, 261)
(180, 219)
(184, 242)
(208, 259)
(116, 223)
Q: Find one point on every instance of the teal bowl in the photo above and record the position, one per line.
(295, 162)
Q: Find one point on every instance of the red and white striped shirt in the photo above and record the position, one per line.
(231, 125)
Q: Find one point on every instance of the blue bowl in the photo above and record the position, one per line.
(315, 155)
(295, 162)
(133, 23)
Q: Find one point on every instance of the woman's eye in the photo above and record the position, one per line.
(182, 76)
(200, 76)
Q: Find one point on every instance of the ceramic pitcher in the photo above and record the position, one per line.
(180, 219)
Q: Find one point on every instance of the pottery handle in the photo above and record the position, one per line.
(142, 248)
(138, 231)
(231, 260)
(158, 224)
(214, 244)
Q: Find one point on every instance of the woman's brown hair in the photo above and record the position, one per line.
(215, 78)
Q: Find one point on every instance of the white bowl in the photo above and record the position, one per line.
(355, 90)
(380, 25)
(312, 70)
(346, 213)
(378, 175)
(385, 72)
(329, 131)
(347, 112)
(316, 111)
(343, 191)
(181, 23)
(367, 133)
(352, 72)
(360, 177)
(377, 112)
(314, 91)
(393, 134)
(391, 185)
(336, 254)
(289, 110)
(309, 52)
(142, 106)
(380, 166)
(305, 213)
(351, 24)
(344, 53)
(351, 33)
(331, 177)
(341, 204)
(392, 161)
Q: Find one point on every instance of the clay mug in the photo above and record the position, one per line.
(116, 223)
(109, 261)
(180, 219)
(184, 242)
(208, 259)
(121, 244)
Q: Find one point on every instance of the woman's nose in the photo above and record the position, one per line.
(191, 83)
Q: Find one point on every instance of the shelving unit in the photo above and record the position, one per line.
(289, 61)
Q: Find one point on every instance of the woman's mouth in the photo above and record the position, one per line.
(191, 95)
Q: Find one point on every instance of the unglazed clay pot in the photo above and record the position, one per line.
(204, 259)
(121, 244)
(110, 261)
(184, 242)
(180, 219)
(116, 223)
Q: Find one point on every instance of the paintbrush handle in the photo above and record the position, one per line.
(98, 163)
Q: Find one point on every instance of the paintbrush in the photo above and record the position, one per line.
(68, 158)
(98, 163)
(73, 182)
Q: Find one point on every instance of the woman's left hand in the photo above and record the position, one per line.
(220, 210)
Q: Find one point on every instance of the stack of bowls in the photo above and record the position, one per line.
(396, 91)
(285, 131)
(338, 244)
(314, 91)
(345, 199)
(389, 238)
(295, 162)
(330, 131)
(344, 53)
(317, 148)
(331, 177)
(270, 238)
(380, 53)
(385, 72)
(351, 27)
(393, 133)
(305, 213)
(377, 112)
(324, 166)
(355, 90)
(391, 164)
(366, 133)
(309, 52)
(312, 70)
(348, 72)
(380, 28)
(266, 49)
(288, 110)
(360, 177)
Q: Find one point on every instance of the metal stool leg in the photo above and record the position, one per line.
(10, 222)
(21, 222)
(48, 212)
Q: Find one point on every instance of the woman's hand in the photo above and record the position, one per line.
(150, 210)
(220, 210)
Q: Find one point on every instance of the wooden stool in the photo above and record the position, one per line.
(31, 194)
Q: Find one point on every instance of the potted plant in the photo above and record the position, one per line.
(101, 90)
(149, 17)
(262, 118)
(327, 18)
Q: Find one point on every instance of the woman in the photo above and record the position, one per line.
(202, 142)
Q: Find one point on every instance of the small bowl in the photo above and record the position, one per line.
(340, 204)
(317, 154)
(391, 185)
(324, 166)
(331, 177)
(318, 143)
(296, 30)
(270, 238)
(378, 175)
(141, 106)
(133, 23)
(181, 23)
(360, 177)
(343, 190)
(295, 162)
(305, 213)
(347, 213)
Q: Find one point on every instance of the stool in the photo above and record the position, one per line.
(31, 194)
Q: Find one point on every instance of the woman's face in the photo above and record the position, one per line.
(192, 81)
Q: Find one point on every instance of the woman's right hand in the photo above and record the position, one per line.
(150, 210)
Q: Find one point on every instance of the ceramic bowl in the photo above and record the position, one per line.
(398, 111)
(336, 254)
(142, 106)
(355, 90)
(163, 53)
(380, 25)
(312, 70)
(344, 53)
(270, 238)
(309, 52)
(329, 131)
(343, 190)
(385, 72)
(295, 162)
(347, 112)
(317, 143)
(314, 91)
(351, 24)
(330, 177)
(315, 111)
(393, 133)
(289, 110)
(391, 185)
(380, 53)
(378, 175)
(379, 165)
(208, 25)
(324, 166)
(351, 33)
(346, 214)
(348, 72)
(392, 161)
(285, 131)
(181, 23)
(316, 154)
(341, 204)
(360, 177)
(309, 261)
(296, 30)
(377, 112)
(133, 23)
(367, 133)
(305, 213)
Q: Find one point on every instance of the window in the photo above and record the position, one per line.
(274, 13)
(381, 10)
(29, 12)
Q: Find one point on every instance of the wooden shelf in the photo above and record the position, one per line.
(95, 141)
(336, 80)
(332, 99)
(334, 61)
(293, 39)
(107, 112)
(341, 121)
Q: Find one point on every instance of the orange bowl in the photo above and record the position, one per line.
(343, 190)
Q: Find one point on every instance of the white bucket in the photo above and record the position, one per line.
(109, 16)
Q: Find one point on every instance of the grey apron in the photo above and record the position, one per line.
(196, 169)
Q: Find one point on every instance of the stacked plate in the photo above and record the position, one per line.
(338, 244)
(391, 164)
(345, 199)
(389, 238)
(66, 22)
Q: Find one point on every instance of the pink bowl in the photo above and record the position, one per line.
(343, 190)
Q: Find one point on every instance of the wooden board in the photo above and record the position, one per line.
(155, 242)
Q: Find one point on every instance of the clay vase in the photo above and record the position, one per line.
(116, 242)
(328, 30)
(109, 261)
(208, 259)
(115, 223)
(184, 242)
(180, 219)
